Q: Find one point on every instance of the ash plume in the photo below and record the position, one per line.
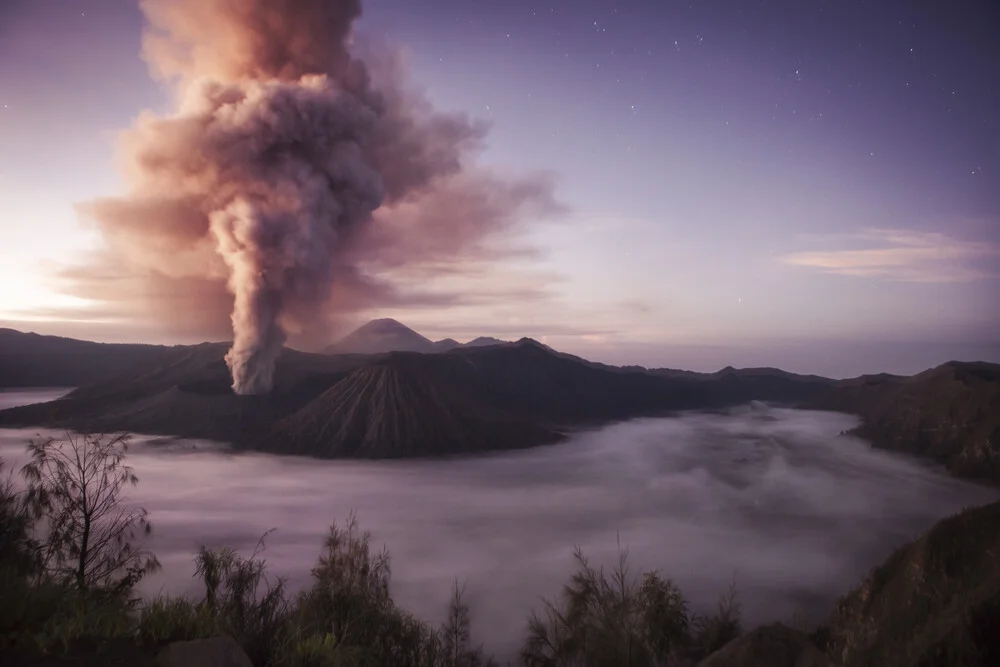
(288, 163)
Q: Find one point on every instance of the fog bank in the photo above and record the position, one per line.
(774, 497)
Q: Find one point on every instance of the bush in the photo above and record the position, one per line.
(611, 619)
(716, 630)
(242, 601)
(72, 590)
(349, 601)
(19, 551)
(163, 620)
(61, 617)
(19, 557)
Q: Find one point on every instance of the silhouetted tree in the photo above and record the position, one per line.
(715, 631)
(76, 485)
(456, 632)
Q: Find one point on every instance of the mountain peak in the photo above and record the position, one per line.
(483, 341)
(385, 334)
(384, 324)
(382, 335)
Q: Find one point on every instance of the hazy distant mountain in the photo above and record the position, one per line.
(33, 360)
(483, 341)
(446, 344)
(388, 335)
(384, 335)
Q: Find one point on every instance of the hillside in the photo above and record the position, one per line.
(186, 392)
(33, 360)
(469, 399)
(934, 602)
(950, 413)
(397, 409)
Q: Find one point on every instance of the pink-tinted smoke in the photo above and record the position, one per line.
(287, 163)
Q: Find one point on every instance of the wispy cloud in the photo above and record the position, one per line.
(903, 255)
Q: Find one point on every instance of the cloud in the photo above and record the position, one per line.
(903, 255)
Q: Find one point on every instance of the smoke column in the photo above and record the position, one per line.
(280, 150)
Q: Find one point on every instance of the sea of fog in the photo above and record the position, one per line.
(773, 498)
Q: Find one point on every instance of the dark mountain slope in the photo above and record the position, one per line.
(33, 360)
(950, 413)
(934, 602)
(533, 379)
(396, 408)
(400, 404)
(185, 391)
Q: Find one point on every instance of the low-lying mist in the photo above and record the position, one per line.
(774, 498)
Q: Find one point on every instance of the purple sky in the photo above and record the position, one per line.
(808, 185)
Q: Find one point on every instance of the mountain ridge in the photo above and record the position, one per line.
(385, 334)
(481, 398)
(514, 393)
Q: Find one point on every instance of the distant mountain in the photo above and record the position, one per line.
(950, 413)
(445, 345)
(33, 360)
(468, 399)
(388, 335)
(482, 341)
(384, 335)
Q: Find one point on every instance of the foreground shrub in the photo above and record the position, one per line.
(241, 601)
(19, 550)
(714, 631)
(57, 618)
(349, 603)
(164, 620)
(19, 557)
(606, 619)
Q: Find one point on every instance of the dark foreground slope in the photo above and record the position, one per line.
(398, 404)
(950, 413)
(934, 602)
(32, 360)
